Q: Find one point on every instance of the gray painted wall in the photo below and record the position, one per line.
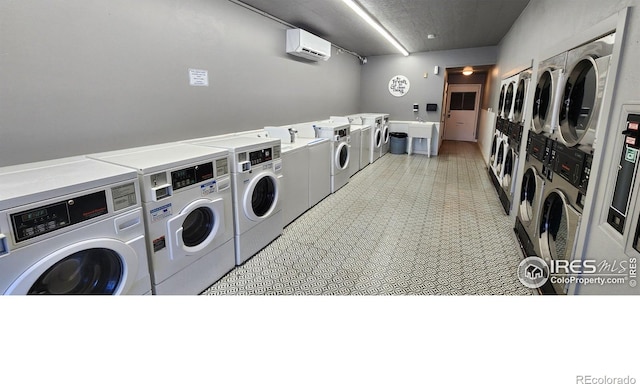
(83, 76)
(380, 69)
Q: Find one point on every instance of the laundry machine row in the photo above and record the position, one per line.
(71, 226)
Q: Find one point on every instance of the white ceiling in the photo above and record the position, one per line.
(456, 23)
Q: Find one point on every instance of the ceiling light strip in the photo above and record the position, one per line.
(365, 16)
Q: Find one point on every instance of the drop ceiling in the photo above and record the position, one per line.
(456, 24)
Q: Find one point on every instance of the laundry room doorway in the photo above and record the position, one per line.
(461, 112)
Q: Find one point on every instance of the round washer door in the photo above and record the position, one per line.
(378, 138)
(528, 192)
(386, 134)
(98, 267)
(558, 226)
(494, 148)
(499, 159)
(261, 196)
(507, 173)
(508, 102)
(342, 156)
(579, 101)
(542, 101)
(518, 107)
(195, 228)
(501, 100)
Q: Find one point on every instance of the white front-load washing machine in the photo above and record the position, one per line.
(188, 212)
(256, 180)
(339, 135)
(355, 133)
(71, 226)
(585, 81)
(386, 134)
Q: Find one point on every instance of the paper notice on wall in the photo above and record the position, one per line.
(198, 77)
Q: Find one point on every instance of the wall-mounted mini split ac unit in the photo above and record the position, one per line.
(304, 44)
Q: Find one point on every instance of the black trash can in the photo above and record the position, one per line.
(398, 143)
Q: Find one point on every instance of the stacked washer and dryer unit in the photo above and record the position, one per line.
(187, 202)
(501, 159)
(566, 119)
(71, 226)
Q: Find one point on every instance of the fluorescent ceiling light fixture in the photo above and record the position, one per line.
(362, 13)
(467, 71)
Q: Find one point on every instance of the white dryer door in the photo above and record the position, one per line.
(342, 156)
(261, 196)
(98, 266)
(193, 231)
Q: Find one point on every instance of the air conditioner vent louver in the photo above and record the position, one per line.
(304, 44)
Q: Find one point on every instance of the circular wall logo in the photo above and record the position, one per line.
(533, 272)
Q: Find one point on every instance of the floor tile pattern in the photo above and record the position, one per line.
(404, 225)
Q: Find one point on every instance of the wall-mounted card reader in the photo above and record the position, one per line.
(626, 173)
(416, 107)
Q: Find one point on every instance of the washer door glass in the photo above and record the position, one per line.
(508, 169)
(518, 107)
(579, 101)
(500, 159)
(501, 101)
(92, 271)
(554, 228)
(494, 146)
(527, 195)
(264, 196)
(197, 226)
(342, 158)
(508, 101)
(378, 138)
(386, 135)
(542, 101)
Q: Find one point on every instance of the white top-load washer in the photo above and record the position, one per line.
(71, 226)
(339, 135)
(256, 179)
(188, 212)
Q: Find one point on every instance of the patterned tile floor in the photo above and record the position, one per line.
(405, 225)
